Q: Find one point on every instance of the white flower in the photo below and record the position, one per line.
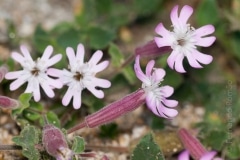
(156, 97)
(184, 39)
(34, 73)
(81, 75)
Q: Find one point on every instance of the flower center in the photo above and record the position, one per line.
(78, 76)
(35, 71)
(181, 42)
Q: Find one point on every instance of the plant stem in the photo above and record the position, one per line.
(10, 147)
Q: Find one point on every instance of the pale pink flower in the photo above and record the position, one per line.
(81, 75)
(184, 40)
(34, 73)
(156, 97)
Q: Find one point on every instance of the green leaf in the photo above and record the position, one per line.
(41, 39)
(99, 38)
(30, 115)
(24, 103)
(233, 148)
(216, 139)
(69, 38)
(129, 74)
(117, 57)
(147, 149)
(28, 138)
(207, 12)
(78, 145)
(145, 8)
(52, 118)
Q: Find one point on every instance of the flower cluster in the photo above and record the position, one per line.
(81, 75)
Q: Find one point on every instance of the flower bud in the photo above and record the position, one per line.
(3, 71)
(55, 143)
(8, 103)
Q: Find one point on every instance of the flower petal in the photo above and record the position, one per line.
(36, 91)
(77, 101)
(138, 71)
(96, 57)
(206, 41)
(80, 53)
(185, 13)
(174, 15)
(25, 52)
(184, 155)
(162, 42)
(54, 60)
(204, 30)
(100, 67)
(96, 92)
(47, 53)
(168, 112)
(14, 75)
(208, 155)
(179, 63)
(192, 61)
(167, 90)
(71, 56)
(68, 96)
(20, 81)
(172, 58)
(149, 67)
(103, 83)
(158, 74)
(18, 57)
(54, 72)
(202, 58)
(162, 31)
(170, 103)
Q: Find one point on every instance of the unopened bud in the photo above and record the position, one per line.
(3, 71)
(8, 103)
(55, 143)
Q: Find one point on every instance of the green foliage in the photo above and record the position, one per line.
(52, 118)
(204, 10)
(99, 38)
(117, 60)
(147, 149)
(146, 8)
(78, 145)
(233, 148)
(24, 99)
(29, 137)
(109, 130)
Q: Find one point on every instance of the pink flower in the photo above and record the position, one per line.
(156, 97)
(34, 73)
(184, 39)
(81, 75)
(194, 147)
(207, 156)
